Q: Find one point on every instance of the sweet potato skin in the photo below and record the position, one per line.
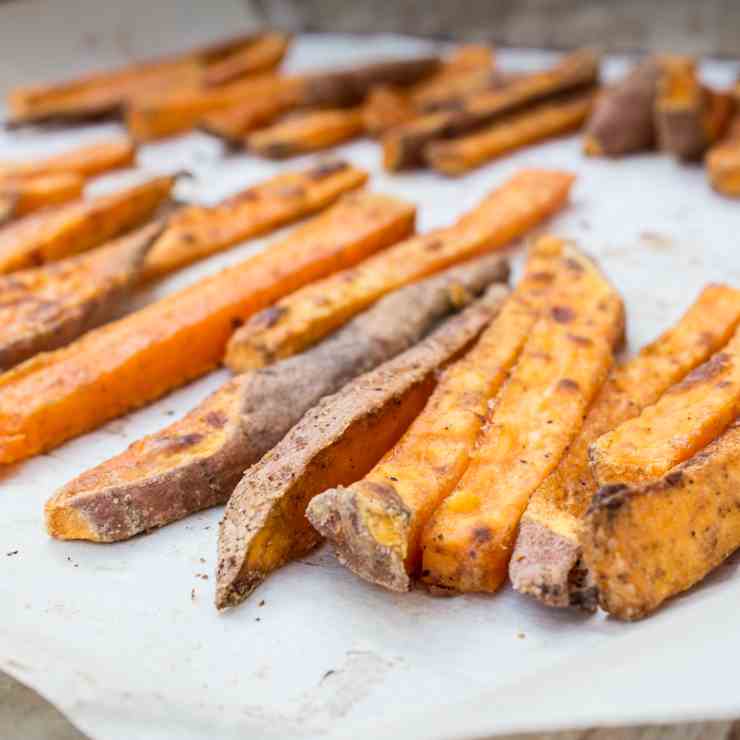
(335, 443)
(118, 367)
(24, 195)
(303, 318)
(647, 544)
(79, 226)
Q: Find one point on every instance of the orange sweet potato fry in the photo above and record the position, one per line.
(130, 362)
(231, 124)
(723, 162)
(266, 52)
(386, 107)
(24, 195)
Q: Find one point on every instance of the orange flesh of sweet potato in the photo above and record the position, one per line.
(76, 227)
(335, 443)
(384, 108)
(267, 51)
(305, 317)
(686, 418)
(468, 541)
(232, 123)
(545, 563)
(723, 162)
(28, 194)
(126, 364)
(196, 232)
(647, 544)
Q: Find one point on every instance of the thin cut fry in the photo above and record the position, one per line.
(266, 52)
(76, 227)
(126, 364)
(546, 559)
(310, 314)
(469, 539)
(28, 194)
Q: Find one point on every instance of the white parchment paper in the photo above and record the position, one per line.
(124, 638)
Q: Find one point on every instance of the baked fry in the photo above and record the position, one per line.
(25, 195)
(231, 124)
(46, 307)
(335, 443)
(386, 107)
(307, 132)
(130, 362)
(647, 544)
(81, 225)
(468, 541)
(266, 52)
(196, 462)
(723, 162)
(303, 318)
(544, 121)
(686, 418)
(546, 560)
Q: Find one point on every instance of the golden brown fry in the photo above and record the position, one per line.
(544, 121)
(723, 162)
(76, 227)
(647, 544)
(545, 563)
(25, 195)
(266, 52)
(231, 124)
(386, 107)
(303, 318)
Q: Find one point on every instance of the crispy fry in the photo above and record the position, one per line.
(76, 227)
(335, 443)
(647, 544)
(375, 524)
(544, 121)
(404, 146)
(723, 162)
(231, 124)
(196, 462)
(28, 194)
(47, 307)
(468, 541)
(310, 314)
(196, 232)
(126, 364)
(685, 419)
(386, 107)
(307, 132)
(546, 559)
(266, 52)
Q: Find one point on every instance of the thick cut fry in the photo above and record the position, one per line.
(47, 307)
(305, 317)
(335, 443)
(645, 545)
(375, 524)
(544, 121)
(196, 462)
(233, 123)
(76, 227)
(468, 541)
(384, 108)
(196, 232)
(86, 161)
(25, 195)
(546, 559)
(307, 132)
(266, 52)
(126, 364)
(723, 162)
(685, 419)
(404, 146)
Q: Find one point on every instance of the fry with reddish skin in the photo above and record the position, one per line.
(303, 318)
(544, 121)
(375, 524)
(723, 162)
(686, 418)
(196, 462)
(266, 52)
(195, 232)
(307, 132)
(404, 146)
(231, 124)
(335, 443)
(25, 195)
(468, 541)
(125, 364)
(647, 544)
(76, 227)
(47, 307)
(546, 561)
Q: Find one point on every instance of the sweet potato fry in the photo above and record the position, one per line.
(375, 524)
(468, 541)
(404, 146)
(310, 314)
(543, 121)
(24, 195)
(307, 132)
(233, 123)
(111, 370)
(647, 544)
(46, 307)
(386, 107)
(76, 227)
(686, 418)
(196, 232)
(266, 52)
(335, 443)
(723, 162)
(196, 462)
(546, 561)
